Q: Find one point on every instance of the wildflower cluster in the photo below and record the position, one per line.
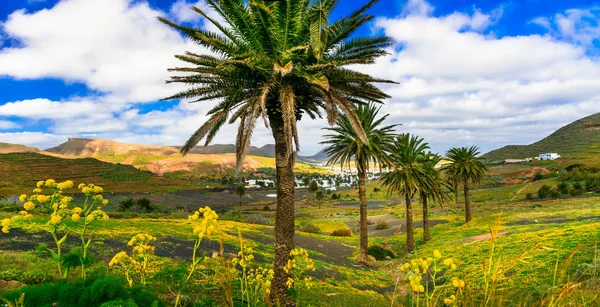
(137, 263)
(297, 266)
(422, 272)
(208, 224)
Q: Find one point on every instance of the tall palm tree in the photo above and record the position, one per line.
(432, 189)
(345, 147)
(278, 61)
(408, 176)
(466, 168)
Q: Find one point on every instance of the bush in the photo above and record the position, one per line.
(141, 205)
(257, 219)
(12, 200)
(342, 233)
(379, 252)
(544, 191)
(335, 196)
(538, 176)
(382, 225)
(563, 188)
(266, 208)
(309, 227)
(376, 189)
(555, 193)
(99, 292)
(529, 196)
(232, 215)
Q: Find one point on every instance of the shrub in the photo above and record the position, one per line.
(266, 208)
(309, 227)
(100, 292)
(544, 191)
(382, 225)
(376, 189)
(538, 176)
(555, 193)
(141, 205)
(257, 219)
(577, 186)
(335, 196)
(12, 200)
(232, 215)
(529, 196)
(563, 188)
(380, 253)
(342, 233)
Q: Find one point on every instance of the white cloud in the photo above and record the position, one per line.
(35, 139)
(460, 85)
(117, 47)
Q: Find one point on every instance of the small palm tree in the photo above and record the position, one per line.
(240, 190)
(408, 176)
(466, 168)
(433, 189)
(278, 61)
(345, 147)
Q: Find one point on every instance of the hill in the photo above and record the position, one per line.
(214, 160)
(20, 171)
(579, 139)
(12, 148)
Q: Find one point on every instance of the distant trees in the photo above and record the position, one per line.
(240, 191)
(344, 146)
(319, 196)
(466, 168)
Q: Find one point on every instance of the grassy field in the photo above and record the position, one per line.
(544, 254)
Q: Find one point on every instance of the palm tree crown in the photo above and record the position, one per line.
(408, 154)
(278, 60)
(465, 165)
(345, 146)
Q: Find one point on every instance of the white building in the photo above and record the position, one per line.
(549, 156)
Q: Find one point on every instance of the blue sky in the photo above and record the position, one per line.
(487, 73)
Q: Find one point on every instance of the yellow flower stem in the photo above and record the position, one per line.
(192, 269)
(58, 251)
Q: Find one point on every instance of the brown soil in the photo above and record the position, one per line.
(533, 171)
(483, 237)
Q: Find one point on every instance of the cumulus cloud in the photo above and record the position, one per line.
(460, 84)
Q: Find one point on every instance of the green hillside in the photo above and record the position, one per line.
(20, 171)
(579, 139)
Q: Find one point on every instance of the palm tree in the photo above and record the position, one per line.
(465, 167)
(240, 190)
(432, 189)
(278, 61)
(408, 176)
(345, 147)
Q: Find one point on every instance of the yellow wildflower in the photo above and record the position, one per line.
(37, 191)
(80, 186)
(29, 206)
(86, 190)
(6, 222)
(43, 198)
(437, 254)
(55, 219)
(105, 202)
(5, 229)
(23, 198)
(50, 183)
(98, 190)
(75, 217)
(40, 184)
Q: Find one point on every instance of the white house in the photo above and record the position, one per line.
(549, 156)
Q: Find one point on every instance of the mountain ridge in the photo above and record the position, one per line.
(579, 139)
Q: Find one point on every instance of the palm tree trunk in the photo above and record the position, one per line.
(467, 202)
(456, 194)
(426, 235)
(410, 232)
(284, 215)
(364, 235)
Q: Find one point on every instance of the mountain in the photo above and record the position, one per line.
(13, 148)
(579, 139)
(319, 157)
(211, 160)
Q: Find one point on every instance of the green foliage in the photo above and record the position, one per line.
(529, 196)
(563, 188)
(538, 176)
(313, 186)
(544, 191)
(89, 293)
(232, 215)
(257, 219)
(380, 253)
(309, 227)
(140, 205)
(382, 225)
(376, 190)
(341, 233)
(266, 208)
